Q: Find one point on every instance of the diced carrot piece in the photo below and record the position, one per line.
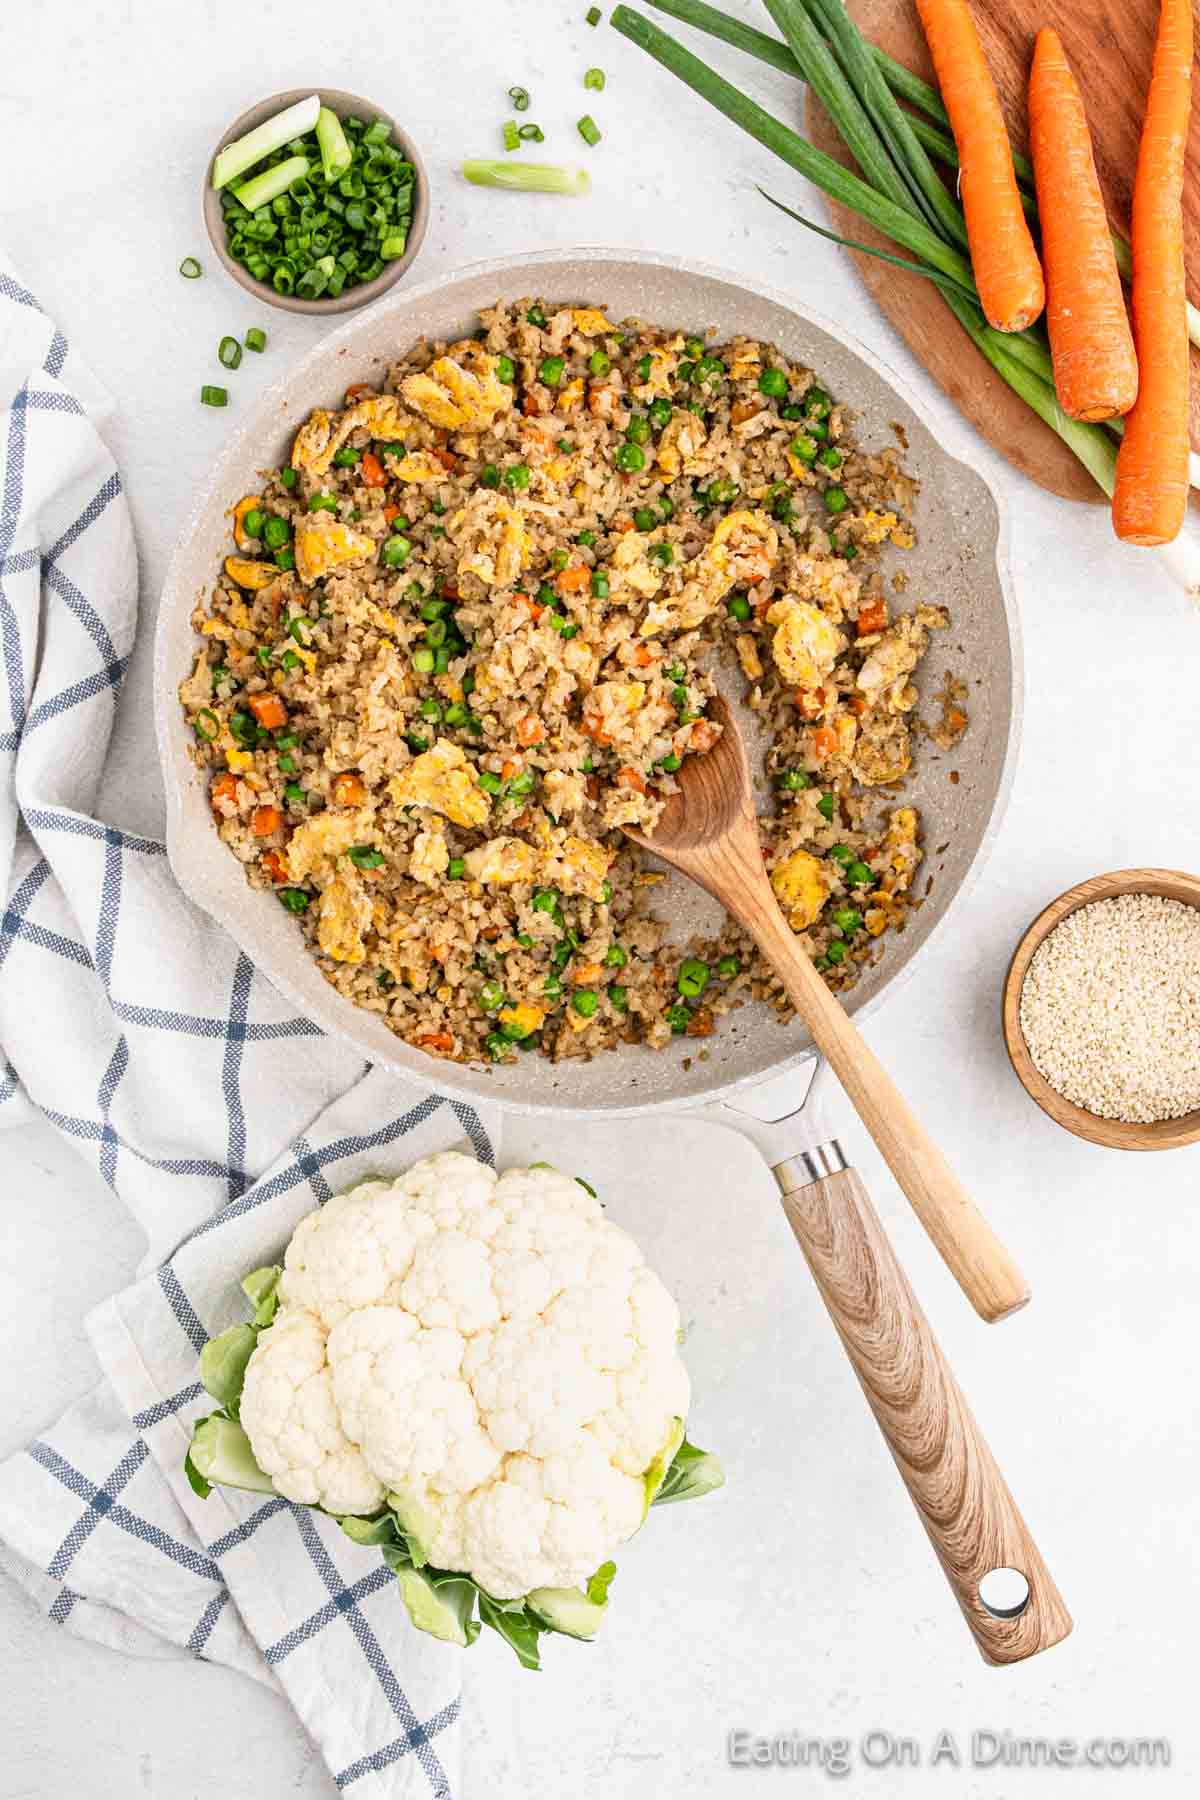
(956, 719)
(440, 1041)
(595, 730)
(701, 1023)
(824, 741)
(524, 603)
(439, 952)
(450, 592)
(704, 734)
(643, 656)
(269, 710)
(810, 702)
(530, 730)
(587, 973)
(264, 820)
(373, 471)
(872, 617)
(574, 580)
(391, 512)
(358, 389)
(490, 933)
(857, 704)
(621, 525)
(223, 788)
(509, 767)
(630, 778)
(348, 789)
(274, 865)
(446, 457)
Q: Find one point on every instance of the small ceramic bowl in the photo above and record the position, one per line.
(1115, 1134)
(345, 106)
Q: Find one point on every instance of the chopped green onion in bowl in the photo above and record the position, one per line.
(294, 122)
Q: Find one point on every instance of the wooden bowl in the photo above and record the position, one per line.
(345, 106)
(1115, 1134)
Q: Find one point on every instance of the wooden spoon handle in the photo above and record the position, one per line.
(965, 1506)
(966, 1242)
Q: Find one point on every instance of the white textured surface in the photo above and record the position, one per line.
(804, 1596)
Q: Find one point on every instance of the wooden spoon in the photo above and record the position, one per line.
(709, 832)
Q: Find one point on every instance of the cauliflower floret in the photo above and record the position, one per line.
(289, 1412)
(492, 1352)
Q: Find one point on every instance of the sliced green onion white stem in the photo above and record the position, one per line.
(336, 154)
(260, 190)
(271, 135)
(542, 178)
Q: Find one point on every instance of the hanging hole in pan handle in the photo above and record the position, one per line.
(1005, 1593)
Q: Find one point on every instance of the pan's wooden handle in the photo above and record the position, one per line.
(965, 1241)
(965, 1506)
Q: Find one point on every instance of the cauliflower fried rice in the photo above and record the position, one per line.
(469, 632)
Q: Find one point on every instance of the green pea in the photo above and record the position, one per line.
(678, 1018)
(836, 952)
(728, 967)
(791, 781)
(618, 998)
(585, 1001)
(804, 448)
(671, 763)
(825, 806)
(738, 607)
(817, 403)
(517, 476)
(293, 899)
(645, 518)
(860, 874)
(506, 370)
(829, 458)
(693, 977)
(773, 382)
(659, 413)
(489, 476)
(615, 957)
(550, 370)
(847, 919)
(630, 458)
(599, 362)
(836, 500)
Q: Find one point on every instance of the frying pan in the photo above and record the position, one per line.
(959, 561)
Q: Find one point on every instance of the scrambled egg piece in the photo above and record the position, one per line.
(748, 656)
(323, 434)
(662, 368)
(239, 760)
(346, 913)
(418, 465)
(501, 862)
(904, 853)
(801, 887)
(580, 867)
(248, 574)
(523, 1019)
(680, 444)
(430, 857)
(630, 567)
(324, 543)
(875, 526)
(241, 537)
(722, 564)
(443, 780)
(497, 544)
(590, 321)
(562, 793)
(454, 397)
(805, 646)
(325, 838)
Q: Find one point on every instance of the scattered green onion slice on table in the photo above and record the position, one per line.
(520, 98)
(512, 137)
(214, 396)
(229, 353)
(190, 269)
(271, 135)
(256, 339)
(593, 15)
(588, 129)
(594, 79)
(532, 134)
(540, 178)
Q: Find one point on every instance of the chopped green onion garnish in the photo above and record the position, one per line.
(190, 269)
(229, 353)
(293, 899)
(287, 478)
(588, 130)
(206, 724)
(365, 856)
(594, 78)
(256, 339)
(593, 15)
(214, 396)
(541, 178)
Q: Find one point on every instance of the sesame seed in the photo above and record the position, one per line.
(1110, 1008)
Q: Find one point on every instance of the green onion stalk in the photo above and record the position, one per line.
(897, 191)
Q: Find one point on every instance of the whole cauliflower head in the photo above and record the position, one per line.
(489, 1351)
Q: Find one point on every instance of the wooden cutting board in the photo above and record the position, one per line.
(1110, 44)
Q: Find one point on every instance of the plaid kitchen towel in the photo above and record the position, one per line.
(131, 1022)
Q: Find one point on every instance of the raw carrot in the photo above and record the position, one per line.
(1008, 274)
(1095, 368)
(1151, 493)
